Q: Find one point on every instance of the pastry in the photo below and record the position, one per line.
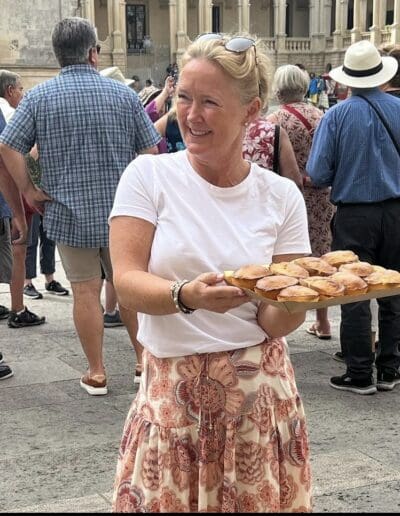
(337, 258)
(326, 287)
(383, 279)
(270, 286)
(315, 266)
(288, 269)
(362, 269)
(247, 276)
(299, 294)
(353, 284)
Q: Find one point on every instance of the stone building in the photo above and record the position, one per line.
(143, 37)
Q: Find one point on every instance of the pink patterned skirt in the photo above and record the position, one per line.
(216, 432)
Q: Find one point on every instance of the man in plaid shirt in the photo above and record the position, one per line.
(87, 128)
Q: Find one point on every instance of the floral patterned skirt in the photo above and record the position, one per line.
(216, 432)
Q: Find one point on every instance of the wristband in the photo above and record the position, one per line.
(175, 291)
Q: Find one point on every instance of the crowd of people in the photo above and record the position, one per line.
(182, 182)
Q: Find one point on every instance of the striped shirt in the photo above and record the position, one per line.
(88, 128)
(353, 152)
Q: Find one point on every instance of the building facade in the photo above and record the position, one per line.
(143, 37)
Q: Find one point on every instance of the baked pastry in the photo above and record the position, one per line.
(270, 286)
(353, 284)
(315, 266)
(288, 269)
(362, 269)
(247, 276)
(326, 287)
(337, 258)
(381, 280)
(378, 268)
(299, 294)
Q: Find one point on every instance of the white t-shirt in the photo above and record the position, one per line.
(201, 228)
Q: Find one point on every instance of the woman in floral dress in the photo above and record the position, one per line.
(217, 424)
(300, 120)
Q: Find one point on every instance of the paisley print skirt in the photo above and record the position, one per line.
(216, 432)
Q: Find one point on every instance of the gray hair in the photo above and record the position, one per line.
(7, 79)
(72, 39)
(290, 83)
(249, 70)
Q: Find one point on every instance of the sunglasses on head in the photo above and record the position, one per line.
(237, 44)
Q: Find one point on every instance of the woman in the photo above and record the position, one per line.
(269, 146)
(168, 128)
(300, 120)
(217, 424)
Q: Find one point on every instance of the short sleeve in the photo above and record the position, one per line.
(135, 195)
(146, 134)
(20, 132)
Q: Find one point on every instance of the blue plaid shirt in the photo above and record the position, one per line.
(88, 128)
(5, 211)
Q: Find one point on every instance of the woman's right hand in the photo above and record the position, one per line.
(209, 292)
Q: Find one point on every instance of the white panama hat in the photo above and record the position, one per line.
(113, 72)
(363, 67)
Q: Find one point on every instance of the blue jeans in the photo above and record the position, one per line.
(47, 249)
(371, 231)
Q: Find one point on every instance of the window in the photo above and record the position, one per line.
(216, 18)
(135, 27)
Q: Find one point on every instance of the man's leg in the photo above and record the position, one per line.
(88, 319)
(131, 323)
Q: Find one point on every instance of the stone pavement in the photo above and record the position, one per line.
(59, 446)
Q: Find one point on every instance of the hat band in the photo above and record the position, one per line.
(362, 73)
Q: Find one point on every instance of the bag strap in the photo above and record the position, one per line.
(300, 117)
(384, 122)
(275, 166)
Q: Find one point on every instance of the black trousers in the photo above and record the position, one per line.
(47, 249)
(373, 232)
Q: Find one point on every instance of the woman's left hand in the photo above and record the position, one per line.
(209, 292)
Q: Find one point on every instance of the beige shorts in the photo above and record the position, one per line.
(85, 263)
(6, 254)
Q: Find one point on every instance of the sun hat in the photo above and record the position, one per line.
(148, 93)
(364, 67)
(113, 72)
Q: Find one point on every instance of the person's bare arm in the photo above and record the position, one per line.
(16, 165)
(131, 240)
(161, 124)
(165, 94)
(14, 200)
(275, 321)
(287, 160)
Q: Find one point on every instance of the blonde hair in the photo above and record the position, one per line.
(290, 83)
(248, 69)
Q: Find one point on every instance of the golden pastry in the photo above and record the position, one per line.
(247, 276)
(353, 284)
(315, 266)
(326, 287)
(337, 258)
(288, 269)
(381, 280)
(362, 269)
(270, 286)
(298, 294)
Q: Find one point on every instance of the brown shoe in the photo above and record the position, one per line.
(95, 385)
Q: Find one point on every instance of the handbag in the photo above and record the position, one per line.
(382, 119)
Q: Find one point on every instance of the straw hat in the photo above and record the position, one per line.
(364, 67)
(148, 93)
(113, 72)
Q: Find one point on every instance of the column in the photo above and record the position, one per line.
(317, 22)
(280, 24)
(338, 32)
(181, 33)
(355, 31)
(325, 17)
(395, 28)
(345, 14)
(382, 13)
(244, 15)
(172, 30)
(375, 29)
(119, 31)
(363, 15)
(88, 10)
(205, 16)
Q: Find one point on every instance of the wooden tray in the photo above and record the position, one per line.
(293, 306)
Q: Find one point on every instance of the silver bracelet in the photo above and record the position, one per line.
(175, 291)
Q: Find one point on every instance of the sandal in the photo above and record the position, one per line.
(312, 330)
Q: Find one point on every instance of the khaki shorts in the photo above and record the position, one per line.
(6, 254)
(85, 263)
